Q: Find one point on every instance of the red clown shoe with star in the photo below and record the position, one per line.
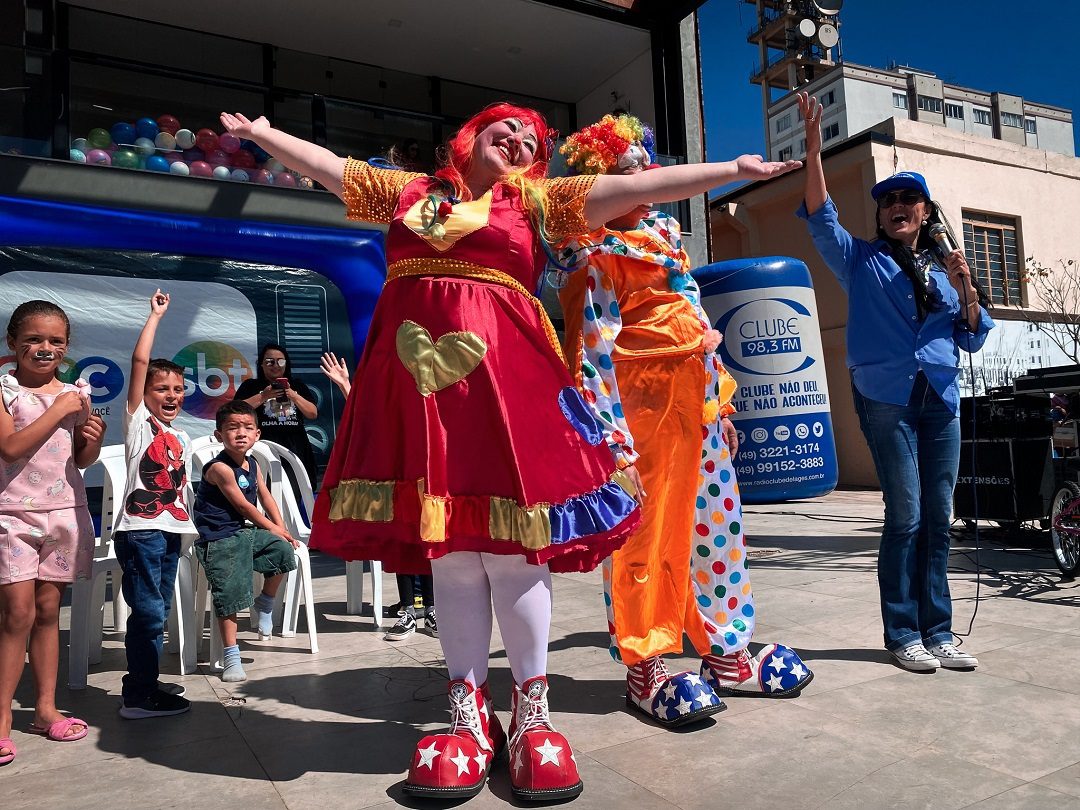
(455, 764)
(542, 764)
(776, 671)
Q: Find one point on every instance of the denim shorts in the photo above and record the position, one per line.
(228, 563)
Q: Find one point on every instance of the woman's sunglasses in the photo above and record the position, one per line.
(907, 197)
(274, 361)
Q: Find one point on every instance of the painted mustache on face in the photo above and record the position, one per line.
(45, 355)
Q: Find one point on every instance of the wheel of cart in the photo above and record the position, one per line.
(1065, 527)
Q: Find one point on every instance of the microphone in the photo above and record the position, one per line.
(940, 234)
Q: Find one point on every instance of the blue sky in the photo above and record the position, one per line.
(989, 45)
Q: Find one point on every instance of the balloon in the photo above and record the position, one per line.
(122, 132)
(125, 159)
(191, 155)
(174, 156)
(222, 172)
(146, 128)
(156, 163)
(168, 123)
(77, 155)
(81, 144)
(98, 157)
(228, 142)
(305, 182)
(261, 155)
(201, 169)
(285, 179)
(185, 138)
(99, 138)
(180, 168)
(244, 159)
(263, 177)
(217, 157)
(144, 146)
(165, 141)
(240, 176)
(206, 139)
(274, 165)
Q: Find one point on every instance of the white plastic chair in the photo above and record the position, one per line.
(204, 451)
(88, 595)
(354, 571)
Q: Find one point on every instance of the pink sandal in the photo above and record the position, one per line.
(57, 731)
(6, 742)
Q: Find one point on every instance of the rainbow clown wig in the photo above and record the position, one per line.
(611, 143)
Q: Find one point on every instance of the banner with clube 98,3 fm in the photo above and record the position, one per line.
(765, 309)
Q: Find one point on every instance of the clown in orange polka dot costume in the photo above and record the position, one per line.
(642, 351)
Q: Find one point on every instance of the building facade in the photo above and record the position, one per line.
(1005, 201)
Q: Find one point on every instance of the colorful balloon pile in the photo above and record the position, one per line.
(162, 145)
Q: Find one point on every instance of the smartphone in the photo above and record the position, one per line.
(280, 385)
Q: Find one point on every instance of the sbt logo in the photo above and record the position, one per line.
(212, 373)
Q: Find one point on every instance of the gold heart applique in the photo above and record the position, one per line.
(439, 364)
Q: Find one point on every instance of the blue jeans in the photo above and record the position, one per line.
(148, 560)
(916, 450)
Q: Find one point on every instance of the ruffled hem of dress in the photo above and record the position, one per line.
(398, 523)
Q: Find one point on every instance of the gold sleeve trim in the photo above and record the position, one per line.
(371, 194)
(566, 205)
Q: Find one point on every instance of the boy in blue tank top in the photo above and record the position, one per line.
(235, 537)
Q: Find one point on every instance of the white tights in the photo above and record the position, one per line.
(466, 584)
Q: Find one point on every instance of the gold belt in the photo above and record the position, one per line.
(404, 268)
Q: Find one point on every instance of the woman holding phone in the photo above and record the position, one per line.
(283, 404)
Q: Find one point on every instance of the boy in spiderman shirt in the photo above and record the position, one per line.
(150, 518)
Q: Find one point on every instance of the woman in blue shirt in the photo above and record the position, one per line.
(909, 314)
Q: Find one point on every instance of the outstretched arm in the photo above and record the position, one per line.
(303, 156)
(614, 195)
(816, 192)
(140, 357)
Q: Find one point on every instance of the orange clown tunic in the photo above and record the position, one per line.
(635, 346)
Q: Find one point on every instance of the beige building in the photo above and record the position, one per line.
(1005, 201)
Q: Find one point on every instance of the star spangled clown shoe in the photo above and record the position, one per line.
(542, 764)
(455, 764)
(776, 671)
(670, 700)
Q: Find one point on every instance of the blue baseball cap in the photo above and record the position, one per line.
(900, 180)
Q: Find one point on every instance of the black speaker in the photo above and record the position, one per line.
(1006, 416)
(1014, 479)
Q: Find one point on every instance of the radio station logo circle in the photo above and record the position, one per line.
(212, 373)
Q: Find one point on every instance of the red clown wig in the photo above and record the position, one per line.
(459, 150)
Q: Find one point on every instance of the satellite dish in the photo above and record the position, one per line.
(827, 35)
(807, 28)
(828, 7)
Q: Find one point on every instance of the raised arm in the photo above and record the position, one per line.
(613, 195)
(308, 158)
(816, 193)
(140, 357)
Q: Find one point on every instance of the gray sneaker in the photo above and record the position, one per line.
(431, 624)
(916, 658)
(951, 658)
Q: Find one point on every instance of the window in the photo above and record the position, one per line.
(802, 146)
(1012, 120)
(954, 111)
(899, 100)
(828, 99)
(784, 154)
(1029, 126)
(783, 123)
(831, 131)
(990, 247)
(930, 104)
(980, 116)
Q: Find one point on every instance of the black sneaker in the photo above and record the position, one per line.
(405, 627)
(171, 689)
(431, 624)
(159, 704)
